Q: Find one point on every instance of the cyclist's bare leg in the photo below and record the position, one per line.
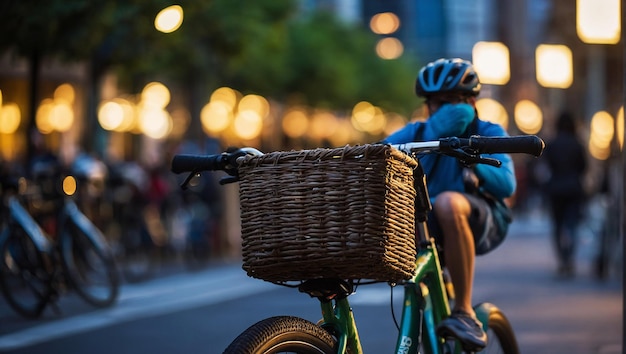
(453, 211)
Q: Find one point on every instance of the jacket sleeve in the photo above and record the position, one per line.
(404, 135)
(497, 181)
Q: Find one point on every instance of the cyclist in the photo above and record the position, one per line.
(464, 221)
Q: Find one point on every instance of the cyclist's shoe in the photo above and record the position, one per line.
(466, 328)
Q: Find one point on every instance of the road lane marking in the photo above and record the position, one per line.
(150, 299)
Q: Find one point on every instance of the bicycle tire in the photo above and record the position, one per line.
(89, 269)
(24, 279)
(500, 335)
(283, 334)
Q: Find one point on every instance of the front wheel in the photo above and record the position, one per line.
(283, 334)
(500, 335)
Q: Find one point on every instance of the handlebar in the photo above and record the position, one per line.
(196, 163)
(525, 144)
(222, 162)
(466, 150)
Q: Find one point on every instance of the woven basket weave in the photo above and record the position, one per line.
(343, 213)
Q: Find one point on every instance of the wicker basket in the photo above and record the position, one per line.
(343, 213)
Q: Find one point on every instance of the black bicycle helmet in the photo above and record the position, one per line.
(447, 75)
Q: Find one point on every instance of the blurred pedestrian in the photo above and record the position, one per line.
(567, 160)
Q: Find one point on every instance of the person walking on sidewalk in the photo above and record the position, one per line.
(469, 216)
(567, 160)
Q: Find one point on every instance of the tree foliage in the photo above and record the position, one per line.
(268, 47)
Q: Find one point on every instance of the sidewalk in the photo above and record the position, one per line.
(578, 315)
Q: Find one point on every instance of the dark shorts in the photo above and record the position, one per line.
(481, 221)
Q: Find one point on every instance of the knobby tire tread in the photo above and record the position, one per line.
(273, 331)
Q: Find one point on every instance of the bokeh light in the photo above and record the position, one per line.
(226, 95)
(110, 115)
(491, 61)
(65, 92)
(155, 94)
(493, 111)
(169, 19)
(601, 135)
(254, 103)
(295, 123)
(10, 118)
(554, 66)
(69, 185)
(248, 124)
(528, 117)
(323, 124)
(61, 116)
(598, 21)
(384, 23)
(57, 113)
(154, 122)
(389, 48)
(42, 118)
(216, 116)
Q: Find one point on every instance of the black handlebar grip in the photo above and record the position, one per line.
(196, 163)
(526, 144)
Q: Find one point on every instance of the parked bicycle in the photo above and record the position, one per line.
(294, 208)
(37, 267)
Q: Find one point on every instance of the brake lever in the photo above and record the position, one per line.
(187, 180)
(471, 158)
(489, 161)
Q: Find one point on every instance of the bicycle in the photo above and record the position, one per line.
(37, 267)
(427, 293)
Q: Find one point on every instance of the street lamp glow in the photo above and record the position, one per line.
(491, 61)
(598, 21)
(554, 66)
(169, 19)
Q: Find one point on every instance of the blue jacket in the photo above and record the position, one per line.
(452, 120)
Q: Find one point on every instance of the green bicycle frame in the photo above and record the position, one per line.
(425, 305)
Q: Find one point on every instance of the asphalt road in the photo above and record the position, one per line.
(202, 311)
